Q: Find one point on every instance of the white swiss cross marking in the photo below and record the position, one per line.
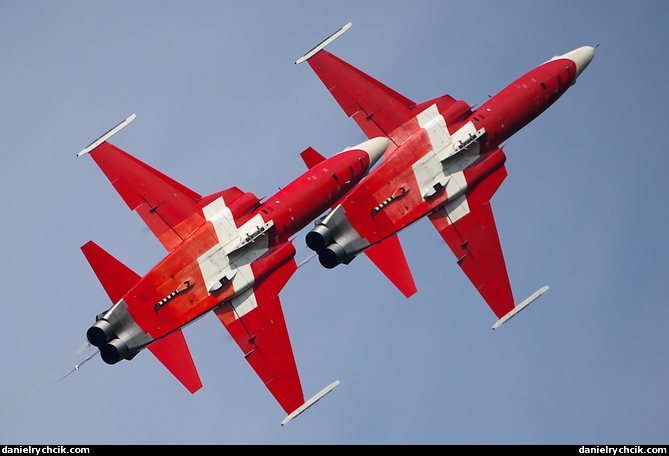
(225, 261)
(443, 165)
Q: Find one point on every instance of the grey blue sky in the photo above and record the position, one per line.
(220, 102)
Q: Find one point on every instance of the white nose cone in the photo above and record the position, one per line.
(374, 147)
(581, 57)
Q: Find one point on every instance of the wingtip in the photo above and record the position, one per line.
(310, 402)
(323, 43)
(107, 135)
(520, 307)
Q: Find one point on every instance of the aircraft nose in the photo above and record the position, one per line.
(581, 57)
(374, 147)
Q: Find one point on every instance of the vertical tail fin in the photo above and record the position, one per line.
(311, 157)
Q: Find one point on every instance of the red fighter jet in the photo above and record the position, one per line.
(229, 253)
(444, 161)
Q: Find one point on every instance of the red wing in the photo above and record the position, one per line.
(170, 209)
(255, 321)
(468, 227)
(377, 109)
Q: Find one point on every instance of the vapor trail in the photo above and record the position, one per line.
(21, 400)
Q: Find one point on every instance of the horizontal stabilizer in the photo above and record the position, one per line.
(310, 402)
(115, 277)
(520, 307)
(389, 257)
(172, 351)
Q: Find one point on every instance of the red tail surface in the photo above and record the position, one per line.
(389, 257)
(117, 279)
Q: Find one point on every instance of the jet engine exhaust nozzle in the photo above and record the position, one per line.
(114, 351)
(319, 238)
(332, 256)
(100, 333)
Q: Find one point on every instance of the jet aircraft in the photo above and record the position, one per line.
(444, 161)
(228, 253)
